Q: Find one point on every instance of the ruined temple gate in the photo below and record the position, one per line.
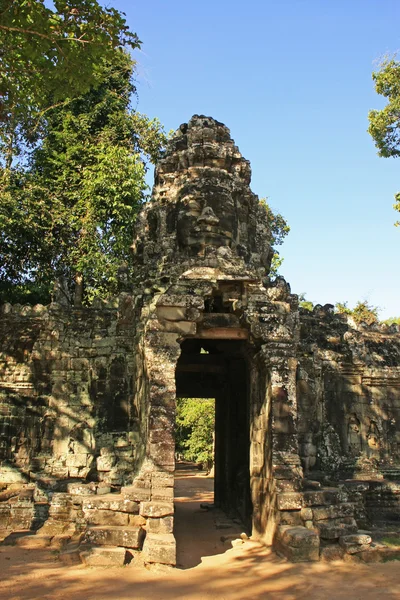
(307, 447)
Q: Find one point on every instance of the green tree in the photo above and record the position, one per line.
(384, 125)
(306, 304)
(195, 423)
(70, 215)
(392, 321)
(279, 230)
(363, 312)
(48, 56)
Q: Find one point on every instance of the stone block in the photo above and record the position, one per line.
(333, 512)
(137, 493)
(81, 489)
(331, 552)
(163, 494)
(105, 517)
(103, 489)
(11, 475)
(111, 502)
(104, 557)
(333, 530)
(127, 537)
(137, 521)
(105, 462)
(298, 536)
(356, 538)
(160, 478)
(162, 525)
(76, 460)
(289, 501)
(297, 544)
(156, 509)
(353, 544)
(181, 327)
(160, 548)
(5, 513)
(171, 313)
(306, 514)
(290, 517)
(321, 497)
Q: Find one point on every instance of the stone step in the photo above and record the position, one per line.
(334, 511)
(311, 498)
(333, 529)
(109, 535)
(110, 502)
(297, 544)
(104, 557)
(34, 541)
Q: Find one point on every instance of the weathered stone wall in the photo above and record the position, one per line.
(67, 393)
(348, 387)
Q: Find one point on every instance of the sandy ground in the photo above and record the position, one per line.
(206, 568)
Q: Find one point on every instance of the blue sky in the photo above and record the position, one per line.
(292, 81)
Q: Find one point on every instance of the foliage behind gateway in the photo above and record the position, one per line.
(195, 423)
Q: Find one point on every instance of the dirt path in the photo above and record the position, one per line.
(207, 570)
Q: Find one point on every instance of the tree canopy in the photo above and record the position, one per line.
(69, 214)
(384, 125)
(363, 312)
(48, 56)
(73, 154)
(279, 230)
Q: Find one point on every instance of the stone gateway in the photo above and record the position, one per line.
(307, 435)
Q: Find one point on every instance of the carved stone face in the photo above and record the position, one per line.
(206, 218)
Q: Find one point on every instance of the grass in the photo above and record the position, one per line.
(392, 541)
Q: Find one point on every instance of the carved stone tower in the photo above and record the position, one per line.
(214, 326)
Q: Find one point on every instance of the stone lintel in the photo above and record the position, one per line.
(223, 333)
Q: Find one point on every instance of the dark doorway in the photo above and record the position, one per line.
(210, 368)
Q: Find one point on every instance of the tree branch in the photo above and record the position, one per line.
(45, 36)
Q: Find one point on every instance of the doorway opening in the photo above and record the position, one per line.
(215, 368)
